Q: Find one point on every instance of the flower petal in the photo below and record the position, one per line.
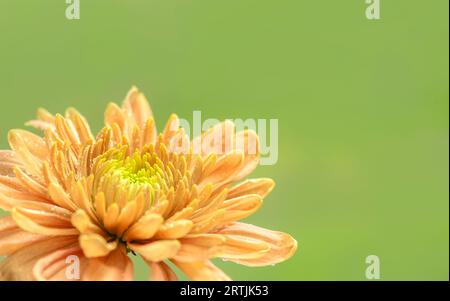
(240, 208)
(83, 223)
(112, 214)
(202, 271)
(45, 214)
(19, 265)
(30, 150)
(126, 217)
(44, 121)
(30, 184)
(60, 197)
(245, 202)
(67, 132)
(11, 197)
(199, 247)
(223, 170)
(7, 162)
(157, 251)
(247, 142)
(81, 126)
(174, 230)
(171, 128)
(6, 169)
(35, 144)
(282, 246)
(137, 107)
(55, 266)
(94, 245)
(149, 133)
(144, 228)
(114, 267)
(219, 139)
(12, 238)
(242, 247)
(161, 272)
(7, 203)
(209, 222)
(115, 115)
(262, 187)
(29, 220)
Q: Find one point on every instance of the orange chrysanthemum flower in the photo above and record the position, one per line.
(130, 190)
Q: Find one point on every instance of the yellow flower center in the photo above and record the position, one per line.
(136, 169)
(124, 186)
(135, 187)
(123, 177)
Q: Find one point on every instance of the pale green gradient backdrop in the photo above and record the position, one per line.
(362, 108)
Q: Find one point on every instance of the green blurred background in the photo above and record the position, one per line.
(362, 108)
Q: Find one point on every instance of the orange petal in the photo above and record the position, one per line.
(30, 150)
(7, 162)
(12, 238)
(224, 169)
(115, 115)
(245, 202)
(247, 142)
(11, 197)
(114, 267)
(144, 228)
(7, 223)
(81, 126)
(149, 133)
(157, 251)
(6, 169)
(242, 247)
(66, 132)
(83, 223)
(179, 143)
(282, 246)
(55, 267)
(45, 214)
(262, 187)
(35, 222)
(94, 245)
(209, 222)
(161, 272)
(7, 203)
(19, 265)
(33, 143)
(174, 230)
(44, 115)
(137, 107)
(126, 217)
(240, 208)
(202, 271)
(60, 197)
(8, 156)
(100, 206)
(159, 208)
(200, 247)
(81, 196)
(9, 183)
(30, 184)
(204, 240)
(171, 128)
(44, 120)
(112, 214)
(218, 139)
(210, 205)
